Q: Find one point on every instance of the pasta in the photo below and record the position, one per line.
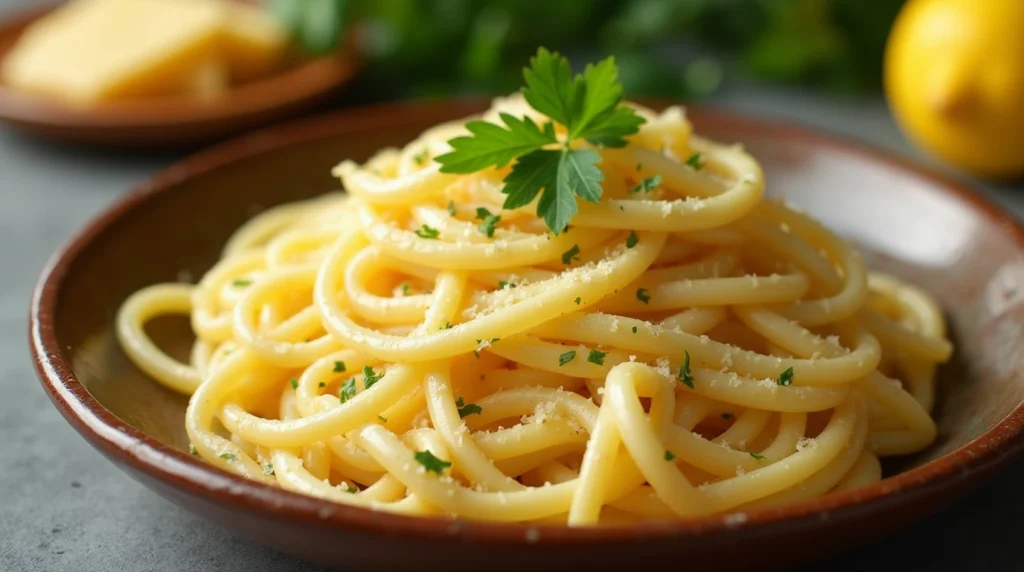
(686, 347)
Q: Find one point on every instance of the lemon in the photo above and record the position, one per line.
(954, 78)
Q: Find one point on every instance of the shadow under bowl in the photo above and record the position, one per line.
(909, 222)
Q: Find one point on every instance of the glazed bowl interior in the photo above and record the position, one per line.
(908, 223)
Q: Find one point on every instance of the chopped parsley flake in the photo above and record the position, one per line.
(490, 221)
(228, 457)
(695, 161)
(758, 457)
(192, 450)
(322, 384)
(643, 296)
(634, 329)
(382, 419)
(647, 184)
(669, 456)
(467, 408)
(632, 239)
(241, 282)
(502, 284)
(348, 390)
(684, 371)
(451, 208)
(596, 357)
(566, 357)
(572, 254)
(369, 377)
(428, 232)
(578, 300)
(786, 377)
(268, 469)
(339, 367)
(405, 288)
(430, 462)
(421, 157)
(295, 383)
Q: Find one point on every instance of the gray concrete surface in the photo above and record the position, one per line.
(63, 507)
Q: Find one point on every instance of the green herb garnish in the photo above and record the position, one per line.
(241, 282)
(430, 462)
(647, 184)
(268, 469)
(596, 357)
(451, 208)
(669, 456)
(758, 457)
(578, 300)
(339, 367)
(632, 239)
(382, 419)
(228, 456)
(642, 295)
(428, 232)
(405, 288)
(696, 162)
(467, 408)
(588, 105)
(369, 377)
(490, 221)
(566, 357)
(569, 255)
(295, 383)
(786, 377)
(348, 390)
(684, 371)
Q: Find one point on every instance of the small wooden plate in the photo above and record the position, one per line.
(173, 121)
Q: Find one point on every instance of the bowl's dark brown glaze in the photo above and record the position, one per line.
(172, 121)
(912, 223)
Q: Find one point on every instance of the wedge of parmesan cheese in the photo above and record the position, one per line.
(88, 51)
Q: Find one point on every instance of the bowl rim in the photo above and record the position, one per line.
(129, 445)
(285, 88)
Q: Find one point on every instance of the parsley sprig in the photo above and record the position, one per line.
(588, 105)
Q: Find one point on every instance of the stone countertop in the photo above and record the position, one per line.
(64, 507)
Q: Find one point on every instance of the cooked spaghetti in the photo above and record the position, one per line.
(684, 347)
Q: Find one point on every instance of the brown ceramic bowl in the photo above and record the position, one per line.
(910, 222)
(172, 121)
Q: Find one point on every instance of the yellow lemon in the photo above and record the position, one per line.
(954, 78)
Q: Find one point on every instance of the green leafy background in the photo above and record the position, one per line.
(673, 48)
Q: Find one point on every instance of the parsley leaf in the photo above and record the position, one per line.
(569, 255)
(647, 184)
(634, 329)
(669, 456)
(490, 221)
(295, 383)
(491, 145)
(427, 232)
(421, 157)
(566, 357)
(382, 419)
(596, 357)
(339, 367)
(696, 162)
(369, 377)
(578, 300)
(348, 390)
(632, 239)
(786, 377)
(451, 208)
(240, 282)
(430, 462)
(405, 288)
(228, 456)
(643, 296)
(684, 371)
(758, 457)
(587, 104)
(502, 284)
(467, 408)
(268, 469)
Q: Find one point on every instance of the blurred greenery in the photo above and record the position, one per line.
(672, 48)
